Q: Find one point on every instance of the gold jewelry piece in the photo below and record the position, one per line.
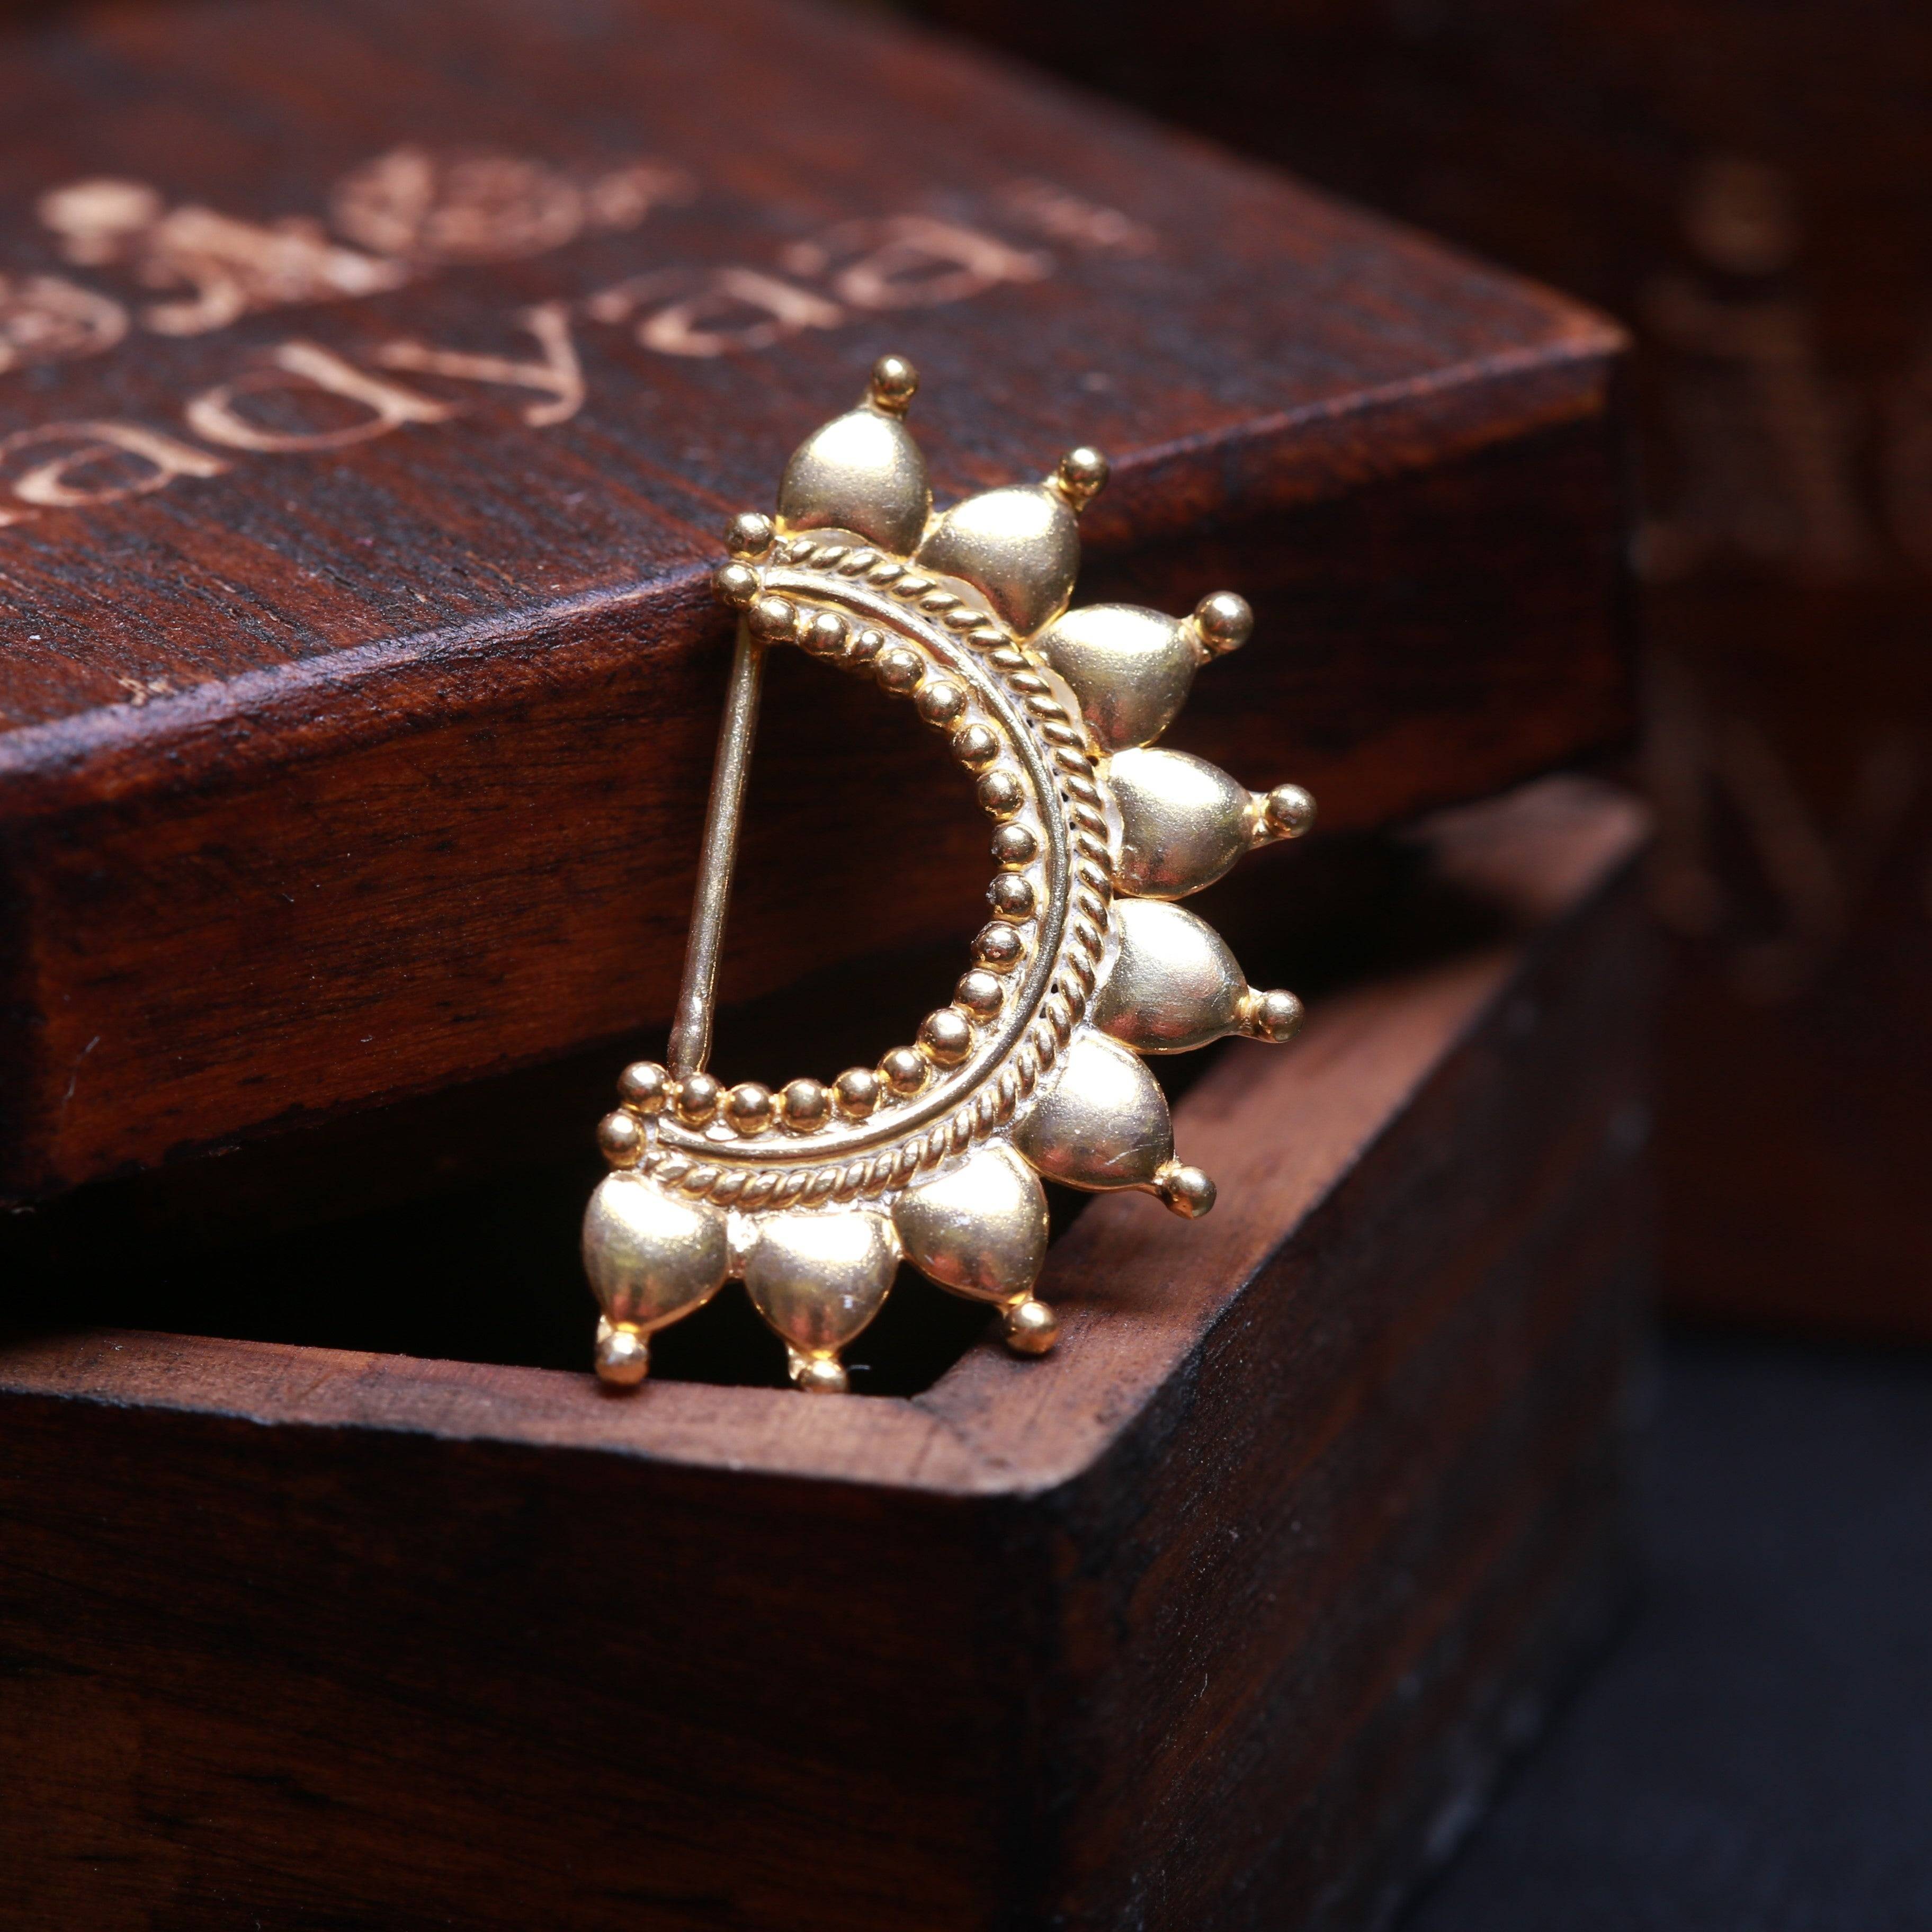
(811, 1194)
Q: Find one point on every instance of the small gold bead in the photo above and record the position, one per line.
(904, 1070)
(1186, 1190)
(644, 1087)
(621, 1136)
(623, 1356)
(864, 650)
(1081, 476)
(894, 384)
(1014, 845)
(980, 994)
(975, 747)
(1011, 895)
(856, 1092)
(818, 1374)
(823, 634)
(1000, 793)
(749, 534)
(999, 947)
(940, 702)
(735, 584)
(804, 1105)
(697, 1098)
(1289, 811)
(1225, 622)
(946, 1037)
(773, 620)
(1274, 1017)
(1032, 1328)
(898, 670)
(749, 1108)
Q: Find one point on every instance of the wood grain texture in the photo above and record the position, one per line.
(1734, 184)
(350, 774)
(1200, 1623)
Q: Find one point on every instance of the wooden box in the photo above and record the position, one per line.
(1222, 1616)
(1737, 184)
(374, 378)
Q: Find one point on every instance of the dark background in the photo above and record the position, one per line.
(1754, 1754)
(1743, 183)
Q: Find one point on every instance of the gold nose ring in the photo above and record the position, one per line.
(811, 1194)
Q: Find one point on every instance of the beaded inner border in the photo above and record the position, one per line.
(953, 631)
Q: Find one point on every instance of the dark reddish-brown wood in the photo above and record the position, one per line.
(1739, 184)
(1210, 1620)
(350, 773)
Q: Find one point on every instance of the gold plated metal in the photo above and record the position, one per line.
(812, 1191)
(1175, 985)
(697, 998)
(818, 1276)
(978, 1225)
(651, 1257)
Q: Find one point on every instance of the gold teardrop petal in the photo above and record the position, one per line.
(863, 472)
(818, 1276)
(650, 1256)
(1131, 669)
(1173, 984)
(980, 1228)
(1020, 545)
(1103, 1122)
(1183, 823)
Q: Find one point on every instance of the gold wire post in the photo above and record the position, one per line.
(691, 1031)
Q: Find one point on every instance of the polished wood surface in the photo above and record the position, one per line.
(357, 711)
(1207, 1621)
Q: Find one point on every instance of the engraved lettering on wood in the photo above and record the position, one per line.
(123, 459)
(1764, 439)
(230, 266)
(558, 373)
(411, 209)
(1062, 216)
(1781, 919)
(46, 318)
(910, 261)
(217, 413)
(422, 206)
(404, 215)
(1771, 448)
(713, 311)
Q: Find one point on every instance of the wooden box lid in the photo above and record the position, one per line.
(374, 375)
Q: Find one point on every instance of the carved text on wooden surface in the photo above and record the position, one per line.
(411, 210)
(404, 216)
(1745, 863)
(1776, 465)
(1772, 458)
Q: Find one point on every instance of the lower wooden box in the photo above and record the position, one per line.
(1221, 1616)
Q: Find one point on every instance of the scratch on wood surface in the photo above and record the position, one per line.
(73, 1074)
